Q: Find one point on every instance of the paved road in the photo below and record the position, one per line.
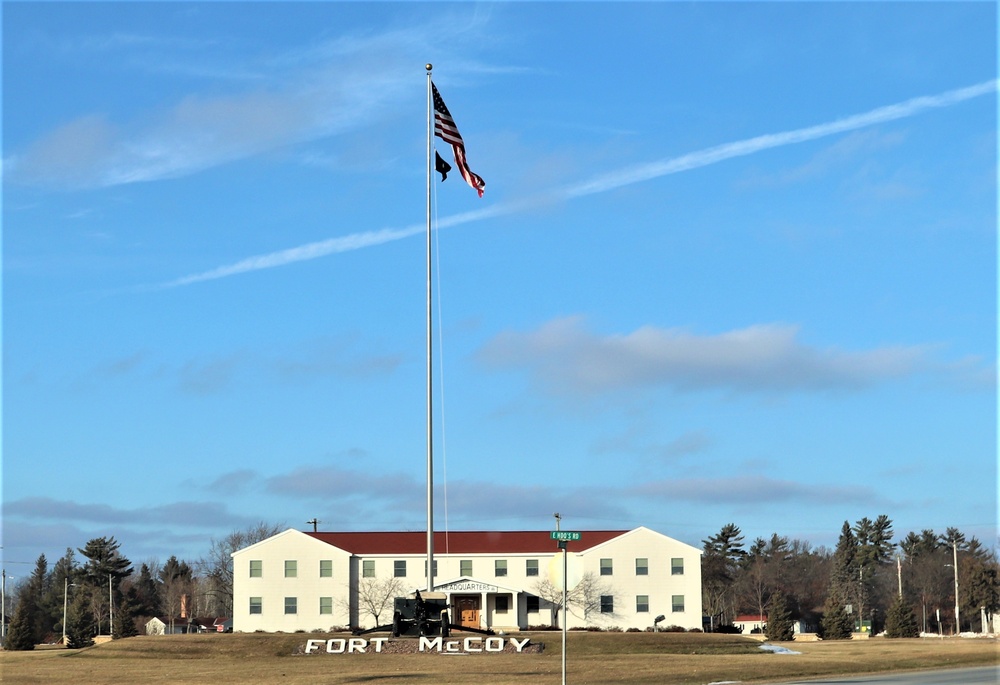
(989, 675)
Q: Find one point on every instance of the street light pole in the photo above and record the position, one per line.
(3, 607)
(954, 552)
(65, 595)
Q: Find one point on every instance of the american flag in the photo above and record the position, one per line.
(445, 128)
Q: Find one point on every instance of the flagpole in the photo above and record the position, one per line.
(430, 413)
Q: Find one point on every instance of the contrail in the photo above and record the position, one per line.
(604, 182)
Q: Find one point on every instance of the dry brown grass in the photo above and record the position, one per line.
(593, 658)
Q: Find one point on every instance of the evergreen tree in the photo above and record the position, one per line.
(125, 614)
(105, 566)
(28, 625)
(104, 559)
(62, 576)
(779, 619)
(719, 568)
(836, 623)
(147, 591)
(844, 575)
(21, 634)
(32, 597)
(80, 623)
(900, 621)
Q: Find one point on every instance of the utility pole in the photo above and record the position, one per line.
(899, 575)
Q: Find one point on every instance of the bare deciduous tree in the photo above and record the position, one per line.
(217, 566)
(375, 595)
(585, 596)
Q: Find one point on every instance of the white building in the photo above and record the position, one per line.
(500, 580)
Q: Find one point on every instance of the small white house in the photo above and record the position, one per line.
(750, 623)
(504, 580)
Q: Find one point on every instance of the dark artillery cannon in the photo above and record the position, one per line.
(422, 615)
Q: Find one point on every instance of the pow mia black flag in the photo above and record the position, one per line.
(441, 166)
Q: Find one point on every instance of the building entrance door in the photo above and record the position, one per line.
(468, 610)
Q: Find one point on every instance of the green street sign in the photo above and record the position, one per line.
(564, 535)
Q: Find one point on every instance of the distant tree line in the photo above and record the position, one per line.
(867, 582)
(103, 594)
(903, 587)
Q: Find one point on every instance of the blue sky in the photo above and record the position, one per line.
(735, 262)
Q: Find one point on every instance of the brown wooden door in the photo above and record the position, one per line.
(468, 611)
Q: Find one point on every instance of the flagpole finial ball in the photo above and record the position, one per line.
(428, 66)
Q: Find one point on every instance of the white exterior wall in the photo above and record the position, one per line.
(307, 587)
(660, 585)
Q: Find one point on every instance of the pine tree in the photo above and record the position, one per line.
(61, 579)
(105, 565)
(719, 568)
(80, 622)
(844, 575)
(779, 619)
(37, 586)
(900, 621)
(147, 591)
(125, 613)
(836, 623)
(21, 634)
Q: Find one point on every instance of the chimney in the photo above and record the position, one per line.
(184, 606)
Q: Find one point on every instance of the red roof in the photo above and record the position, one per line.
(462, 542)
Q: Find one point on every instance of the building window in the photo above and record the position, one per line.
(368, 568)
(677, 603)
(642, 567)
(641, 604)
(500, 567)
(435, 567)
(677, 567)
(256, 605)
(607, 604)
(291, 605)
(531, 606)
(326, 568)
(256, 568)
(531, 567)
(326, 605)
(606, 567)
(291, 569)
(502, 604)
(465, 567)
(399, 568)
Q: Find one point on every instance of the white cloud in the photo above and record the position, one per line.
(606, 182)
(565, 358)
(347, 84)
(750, 489)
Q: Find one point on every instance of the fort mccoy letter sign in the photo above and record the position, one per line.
(383, 645)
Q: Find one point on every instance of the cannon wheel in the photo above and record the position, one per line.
(445, 624)
(395, 623)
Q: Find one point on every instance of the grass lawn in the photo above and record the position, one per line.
(592, 658)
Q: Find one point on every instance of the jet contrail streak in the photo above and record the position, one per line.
(603, 183)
